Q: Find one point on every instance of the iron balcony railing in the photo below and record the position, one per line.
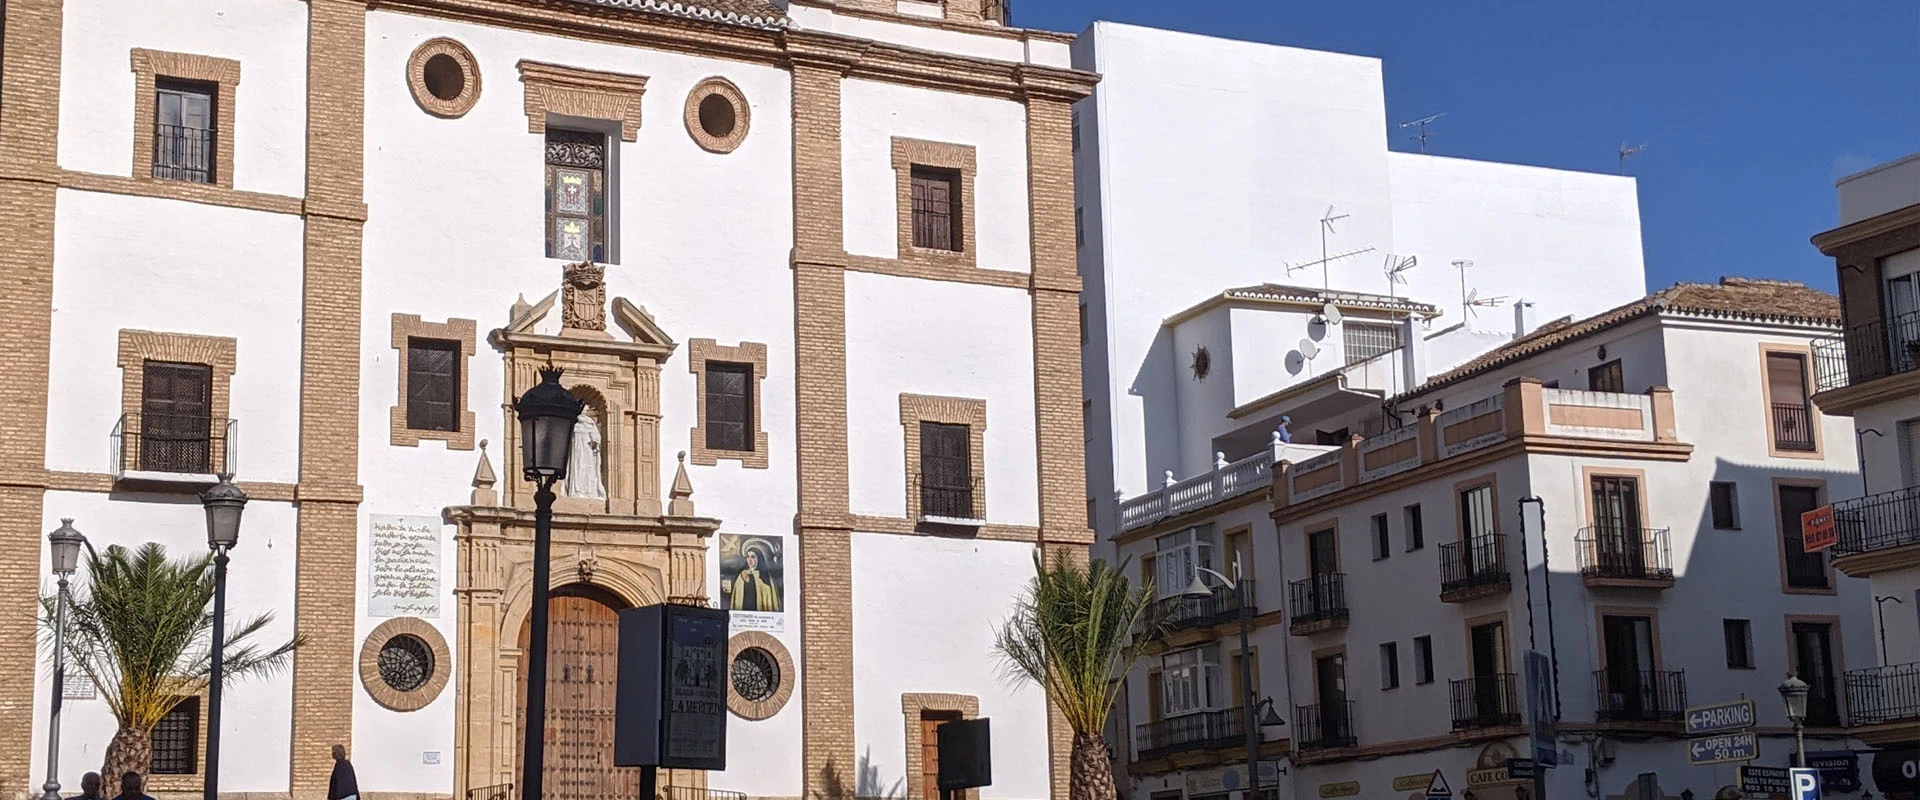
(1884, 694)
(1639, 695)
(1324, 725)
(698, 793)
(1866, 352)
(498, 791)
(1609, 551)
(1484, 701)
(1475, 562)
(187, 444)
(1200, 730)
(1181, 612)
(1877, 521)
(948, 501)
(1318, 598)
(1793, 426)
(182, 153)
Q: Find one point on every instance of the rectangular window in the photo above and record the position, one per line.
(1724, 498)
(184, 130)
(1175, 556)
(433, 384)
(576, 195)
(1190, 681)
(1364, 342)
(1083, 323)
(1607, 377)
(1382, 538)
(730, 406)
(1909, 445)
(176, 739)
(1787, 389)
(1476, 513)
(946, 471)
(1814, 662)
(175, 424)
(936, 208)
(1804, 570)
(1076, 131)
(1079, 232)
(1739, 636)
(1416, 528)
(1422, 659)
(1552, 384)
(1390, 666)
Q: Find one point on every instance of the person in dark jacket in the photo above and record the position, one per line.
(343, 785)
(89, 787)
(130, 784)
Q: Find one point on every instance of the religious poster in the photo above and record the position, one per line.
(403, 566)
(752, 583)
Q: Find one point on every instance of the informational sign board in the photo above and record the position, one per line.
(1817, 531)
(1839, 770)
(403, 566)
(1723, 748)
(1521, 769)
(1764, 781)
(670, 709)
(1546, 748)
(78, 686)
(1734, 715)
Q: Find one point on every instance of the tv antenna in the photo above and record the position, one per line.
(1422, 124)
(1629, 152)
(1326, 227)
(1474, 300)
(1396, 267)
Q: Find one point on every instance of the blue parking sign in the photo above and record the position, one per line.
(1806, 783)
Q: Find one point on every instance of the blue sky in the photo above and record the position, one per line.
(1749, 110)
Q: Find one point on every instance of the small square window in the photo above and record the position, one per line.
(1739, 636)
(433, 384)
(1725, 500)
(1607, 377)
(1422, 659)
(936, 209)
(1416, 528)
(1390, 666)
(1382, 538)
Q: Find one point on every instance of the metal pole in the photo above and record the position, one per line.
(533, 754)
(1799, 744)
(211, 783)
(649, 783)
(1246, 683)
(52, 786)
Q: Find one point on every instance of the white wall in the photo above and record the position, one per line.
(1880, 189)
(924, 614)
(270, 105)
(1197, 405)
(872, 113)
(1000, 48)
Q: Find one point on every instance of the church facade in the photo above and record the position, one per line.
(809, 264)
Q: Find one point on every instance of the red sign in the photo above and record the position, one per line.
(1816, 529)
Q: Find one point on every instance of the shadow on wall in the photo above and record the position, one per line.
(866, 783)
(1155, 384)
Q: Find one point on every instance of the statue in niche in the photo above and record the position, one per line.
(585, 479)
(583, 296)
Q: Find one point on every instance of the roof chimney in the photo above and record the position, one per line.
(1523, 323)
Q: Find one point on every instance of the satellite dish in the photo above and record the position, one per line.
(1308, 349)
(1330, 313)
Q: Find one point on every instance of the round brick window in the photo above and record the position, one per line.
(760, 675)
(717, 115)
(404, 663)
(444, 78)
(755, 675)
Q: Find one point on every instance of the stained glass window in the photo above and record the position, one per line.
(576, 195)
(755, 674)
(405, 663)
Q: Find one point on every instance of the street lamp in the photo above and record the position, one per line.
(65, 544)
(1254, 720)
(547, 413)
(1793, 693)
(223, 502)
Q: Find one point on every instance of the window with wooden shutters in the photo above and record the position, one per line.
(946, 471)
(433, 384)
(176, 424)
(176, 740)
(576, 195)
(936, 209)
(729, 406)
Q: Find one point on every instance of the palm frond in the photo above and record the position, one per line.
(1073, 632)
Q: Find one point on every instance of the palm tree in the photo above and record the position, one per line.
(141, 630)
(1072, 632)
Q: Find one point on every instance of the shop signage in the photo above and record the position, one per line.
(1341, 789)
(1412, 783)
(1817, 531)
(1763, 781)
(1897, 771)
(1839, 770)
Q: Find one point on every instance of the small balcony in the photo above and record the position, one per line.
(1793, 427)
(1865, 353)
(1226, 481)
(1318, 603)
(1625, 557)
(1885, 703)
(1202, 730)
(183, 153)
(1639, 695)
(1474, 568)
(181, 450)
(1324, 726)
(949, 504)
(1484, 701)
(1182, 612)
(1877, 532)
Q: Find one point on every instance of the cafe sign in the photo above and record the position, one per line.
(1341, 789)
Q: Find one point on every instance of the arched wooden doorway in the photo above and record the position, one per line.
(583, 638)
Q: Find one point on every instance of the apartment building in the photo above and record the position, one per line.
(1871, 371)
(1620, 492)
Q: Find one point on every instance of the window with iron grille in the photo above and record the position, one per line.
(184, 131)
(1608, 377)
(1365, 342)
(176, 426)
(176, 740)
(936, 209)
(729, 406)
(946, 471)
(433, 384)
(576, 195)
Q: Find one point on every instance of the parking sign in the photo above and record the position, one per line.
(1806, 783)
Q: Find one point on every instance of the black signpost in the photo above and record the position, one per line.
(670, 707)
(966, 756)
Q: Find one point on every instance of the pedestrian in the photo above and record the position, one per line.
(130, 784)
(343, 785)
(89, 787)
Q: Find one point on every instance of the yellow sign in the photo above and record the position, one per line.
(1341, 789)
(1485, 777)
(1412, 783)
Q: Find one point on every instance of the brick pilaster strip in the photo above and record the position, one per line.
(329, 492)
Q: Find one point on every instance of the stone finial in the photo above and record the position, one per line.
(1219, 459)
(519, 308)
(1169, 480)
(680, 497)
(483, 480)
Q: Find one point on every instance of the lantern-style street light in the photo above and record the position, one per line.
(1252, 705)
(1793, 693)
(547, 413)
(64, 544)
(223, 502)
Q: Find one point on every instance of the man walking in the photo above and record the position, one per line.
(343, 785)
(89, 787)
(130, 787)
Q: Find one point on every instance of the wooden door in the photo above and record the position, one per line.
(174, 425)
(583, 635)
(930, 722)
(1619, 546)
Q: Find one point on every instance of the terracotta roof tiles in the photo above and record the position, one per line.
(750, 13)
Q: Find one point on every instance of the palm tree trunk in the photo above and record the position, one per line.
(130, 751)
(1091, 776)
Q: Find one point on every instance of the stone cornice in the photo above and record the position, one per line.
(1831, 241)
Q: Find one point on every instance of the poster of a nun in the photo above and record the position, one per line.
(750, 582)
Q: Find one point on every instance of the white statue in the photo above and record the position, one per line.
(584, 478)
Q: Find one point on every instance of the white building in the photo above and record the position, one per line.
(1621, 493)
(1869, 372)
(818, 293)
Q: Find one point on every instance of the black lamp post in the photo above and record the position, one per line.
(547, 413)
(1252, 705)
(64, 543)
(223, 502)
(1793, 693)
